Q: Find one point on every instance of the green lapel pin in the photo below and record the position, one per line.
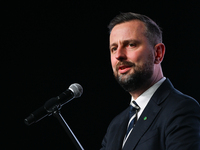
(145, 118)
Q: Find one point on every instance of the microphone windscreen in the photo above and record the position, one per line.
(76, 89)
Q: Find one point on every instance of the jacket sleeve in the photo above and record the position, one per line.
(183, 127)
(103, 144)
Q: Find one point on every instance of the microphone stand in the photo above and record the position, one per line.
(56, 113)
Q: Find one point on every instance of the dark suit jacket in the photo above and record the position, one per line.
(173, 123)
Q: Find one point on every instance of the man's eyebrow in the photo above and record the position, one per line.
(124, 42)
(113, 44)
(130, 40)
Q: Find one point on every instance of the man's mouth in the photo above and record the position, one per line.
(124, 69)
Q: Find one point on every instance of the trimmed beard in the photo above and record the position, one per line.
(137, 79)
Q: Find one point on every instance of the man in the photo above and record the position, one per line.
(163, 118)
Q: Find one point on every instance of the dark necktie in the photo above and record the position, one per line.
(132, 119)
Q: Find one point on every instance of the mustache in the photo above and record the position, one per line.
(124, 63)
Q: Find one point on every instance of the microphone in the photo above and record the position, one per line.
(74, 91)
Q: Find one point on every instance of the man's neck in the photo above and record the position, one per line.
(136, 93)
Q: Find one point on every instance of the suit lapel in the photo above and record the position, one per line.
(141, 126)
(120, 135)
(150, 113)
(119, 128)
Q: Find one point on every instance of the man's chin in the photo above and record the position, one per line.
(123, 77)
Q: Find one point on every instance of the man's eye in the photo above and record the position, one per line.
(113, 49)
(132, 45)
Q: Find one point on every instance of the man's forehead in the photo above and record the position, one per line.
(128, 30)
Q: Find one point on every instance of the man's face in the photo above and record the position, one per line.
(132, 56)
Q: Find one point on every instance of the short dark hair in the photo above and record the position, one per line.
(153, 31)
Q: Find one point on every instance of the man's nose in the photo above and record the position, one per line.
(120, 54)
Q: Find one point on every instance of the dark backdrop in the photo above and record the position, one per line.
(46, 46)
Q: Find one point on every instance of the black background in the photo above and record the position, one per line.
(47, 46)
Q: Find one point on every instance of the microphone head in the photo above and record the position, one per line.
(76, 89)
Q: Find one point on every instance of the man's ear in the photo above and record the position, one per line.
(159, 53)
